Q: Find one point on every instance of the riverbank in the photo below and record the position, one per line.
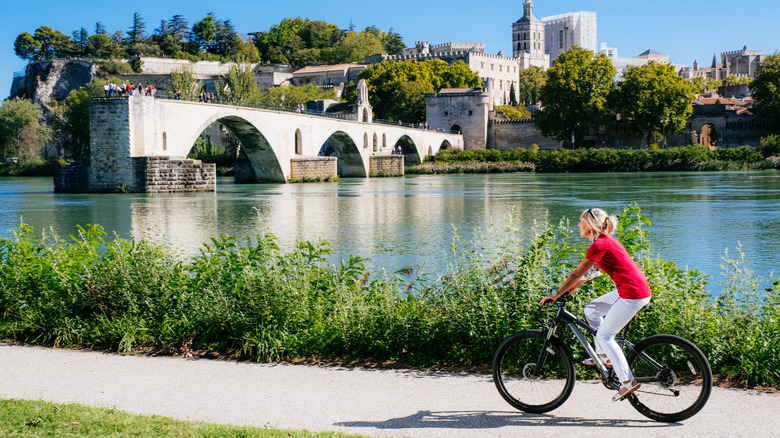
(689, 158)
(256, 301)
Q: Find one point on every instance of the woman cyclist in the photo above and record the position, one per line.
(609, 313)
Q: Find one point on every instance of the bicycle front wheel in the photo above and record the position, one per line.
(531, 377)
(675, 376)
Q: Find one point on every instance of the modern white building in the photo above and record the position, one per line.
(566, 30)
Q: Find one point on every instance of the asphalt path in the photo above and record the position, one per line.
(353, 400)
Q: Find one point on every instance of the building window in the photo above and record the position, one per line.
(481, 65)
(560, 39)
(446, 113)
(492, 67)
(471, 112)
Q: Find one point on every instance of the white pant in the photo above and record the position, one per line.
(609, 314)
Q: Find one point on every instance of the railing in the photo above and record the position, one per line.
(290, 109)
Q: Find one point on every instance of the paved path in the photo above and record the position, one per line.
(371, 402)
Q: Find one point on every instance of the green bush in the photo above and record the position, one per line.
(696, 157)
(261, 302)
(116, 67)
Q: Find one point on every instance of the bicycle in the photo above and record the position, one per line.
(534, 371)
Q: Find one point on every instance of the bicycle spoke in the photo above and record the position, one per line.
(675, 376)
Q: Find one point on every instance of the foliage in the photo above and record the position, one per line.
(71, 117)
(770, 145)
(43, 44)
(22, 130)
(206, 151)
(186, 82)
(652, 98)
(301, 42)
(269, 304)
(766, 90)
(355, 47)
(26, 418)
(239, 87)
(574, 96)
(695, 157)
(292, 96)
(398, 88)
(135, 35)
(513, 112)
(115, 67)
(531, 81)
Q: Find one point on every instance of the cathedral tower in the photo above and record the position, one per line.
(528, 34)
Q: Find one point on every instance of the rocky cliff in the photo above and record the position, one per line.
(53, 79)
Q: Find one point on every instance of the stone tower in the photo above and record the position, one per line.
(362, 107)
(528, 34)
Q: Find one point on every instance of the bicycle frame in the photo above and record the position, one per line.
(575, 323)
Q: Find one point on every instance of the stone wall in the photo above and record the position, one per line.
(386, 165)
(320, 168)
(168, 175)
(462, 111)
(109, 143)
(72, 178)
(517, 133)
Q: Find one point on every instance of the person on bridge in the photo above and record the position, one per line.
(609, 313)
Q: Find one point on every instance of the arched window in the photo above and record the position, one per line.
(365, 141)
(384, 141)
(298, 142)
(376, 145)
(165, 141)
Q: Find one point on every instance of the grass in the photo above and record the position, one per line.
(253, 300)
(23, 418)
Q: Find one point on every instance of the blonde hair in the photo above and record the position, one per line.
(599, 221)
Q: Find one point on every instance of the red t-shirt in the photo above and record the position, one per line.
(613, 259)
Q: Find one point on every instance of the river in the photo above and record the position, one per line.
(398, 222)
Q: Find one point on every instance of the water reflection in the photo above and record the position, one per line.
(401, 221)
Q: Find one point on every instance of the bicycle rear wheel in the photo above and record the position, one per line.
(526, 385)
(675, 376)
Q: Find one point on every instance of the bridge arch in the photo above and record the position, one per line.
(343, 147)
(254, 145)
(409, 150)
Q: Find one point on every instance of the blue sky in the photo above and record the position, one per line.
(685, 30)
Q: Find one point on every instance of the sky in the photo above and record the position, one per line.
(685, 30)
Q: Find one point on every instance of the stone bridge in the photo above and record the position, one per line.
(142, 126)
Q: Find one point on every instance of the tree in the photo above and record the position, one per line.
(135, 34)
(185, 80)
(512, 95)
(651, 98)
(354, 47)
(43, 44)
(80, 42)
(71, 118)
(291, 96)
(203, 33)
(766, 90)
(22, 130)
(574, 97)
(529, 83)
(397, 89)
(226, 40)
(239, 87)
(393, 42)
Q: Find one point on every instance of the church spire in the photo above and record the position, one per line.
(528, 9)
